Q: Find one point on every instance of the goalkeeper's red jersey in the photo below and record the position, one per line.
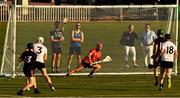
(95, 56)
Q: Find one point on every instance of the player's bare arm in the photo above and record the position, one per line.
(61, 39)
(53, 39)
(161, 52)
(20, 60)
(89, 56)
(175, 55)
(45, 56)
(76, 39)
(155, 50)
(82, 37)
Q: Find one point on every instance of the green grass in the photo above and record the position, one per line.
(99, 86)
(107, 32)
(2, 33)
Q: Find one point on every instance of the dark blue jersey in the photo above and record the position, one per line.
(158, 42)
(56, 34)
(76, 35)
(128, 39)
(29, 58)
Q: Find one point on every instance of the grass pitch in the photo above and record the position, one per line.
(107, 32)
(98, 86)
(82, 86)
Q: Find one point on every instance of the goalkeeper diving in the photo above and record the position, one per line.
(94, 55)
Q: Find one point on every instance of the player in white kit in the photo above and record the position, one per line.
(41, 52)
(169, 55)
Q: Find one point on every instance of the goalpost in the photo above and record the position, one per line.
(9, 49)
(117, 17)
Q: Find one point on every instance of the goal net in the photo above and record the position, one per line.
(99, 23)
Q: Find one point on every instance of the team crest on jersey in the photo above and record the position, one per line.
(57, 34)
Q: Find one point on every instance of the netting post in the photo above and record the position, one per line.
(177, 17)
(170, 20)
(14, 35)
(5, 44)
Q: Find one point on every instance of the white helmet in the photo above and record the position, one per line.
(40, 40)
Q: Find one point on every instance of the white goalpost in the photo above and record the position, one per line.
(9, 49)
(177, 17)
(164, 15)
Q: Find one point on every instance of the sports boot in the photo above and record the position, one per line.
(169, 83)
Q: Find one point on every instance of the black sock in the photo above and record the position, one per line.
(91, 72)
(21, 91)
(156, 78)
(67, 74)
(161, 85)
(50, 85)
(35, 89)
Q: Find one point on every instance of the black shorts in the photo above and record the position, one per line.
(75, 50)
(86, 65)
(56, 49)
(39, 65)
(166, 64)
(28, 72)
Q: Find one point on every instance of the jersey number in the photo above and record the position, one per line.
(28, 59)
(170, 49)
(40, 50)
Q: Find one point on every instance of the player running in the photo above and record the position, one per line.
(156, 52)
(41, 52)
(169, 55)
(29, 57)
(94, 55)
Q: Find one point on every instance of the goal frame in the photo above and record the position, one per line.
(115, 6)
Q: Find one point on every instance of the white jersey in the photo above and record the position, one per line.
(169, 48)
(40, 50)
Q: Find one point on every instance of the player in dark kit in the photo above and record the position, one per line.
(156, 52)
(29, 57)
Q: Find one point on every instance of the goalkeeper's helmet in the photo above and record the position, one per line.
(30, 46)
(160, 32)
(40, 40)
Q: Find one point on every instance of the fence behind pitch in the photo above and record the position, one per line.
(88, 13)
